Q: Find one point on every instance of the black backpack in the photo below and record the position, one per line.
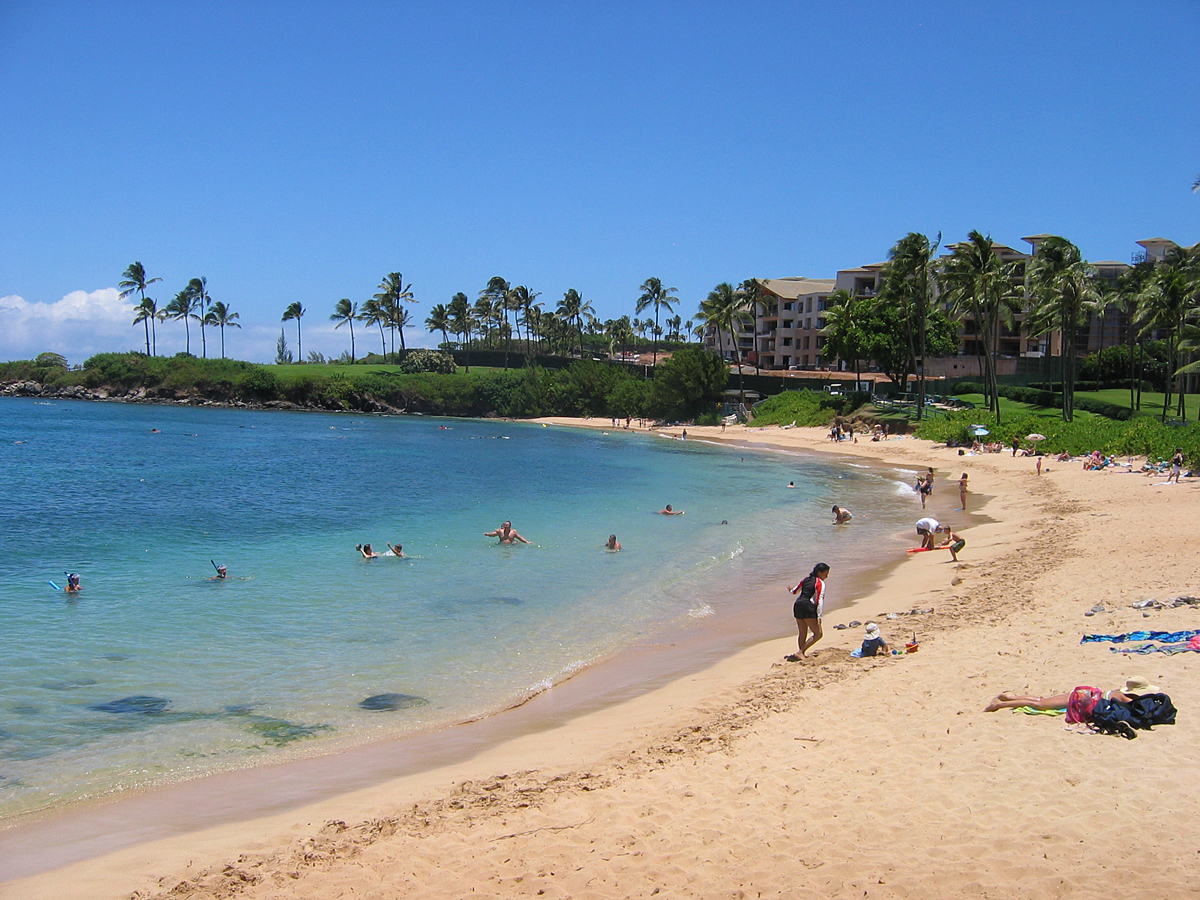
(1142, 712)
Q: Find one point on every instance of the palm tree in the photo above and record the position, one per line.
(497, 295)
(181, 308)
(135, 280)
(654, 294)
(295, 311)
(373, 314)
(1061, 285)
(1165, 305)
(199, 289)
(439, 320)
(460, 317)
(147, 313)
(723, 309)
(344, 313)
(847, 328)
(220, 316)
(521, 301)
(570, 310)
(392, 293)
(978, 283)
(753, 299)
(908, 285)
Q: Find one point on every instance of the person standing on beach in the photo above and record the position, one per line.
(507, 534)
(807, 609)
(1016, 445)
(1176, 465)
(925, 487)
(962, 492)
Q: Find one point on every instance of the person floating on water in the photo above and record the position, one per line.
(613, 544)
(507, 534)
(366, 551)
(73, 585)
(222, 573)
(667, 511)
(396, 550)
(841, 515)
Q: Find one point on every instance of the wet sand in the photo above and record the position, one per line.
(832, 776)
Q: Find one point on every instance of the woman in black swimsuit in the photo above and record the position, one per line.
(807, 609)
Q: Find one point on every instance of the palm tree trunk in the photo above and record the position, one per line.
(222, 340)
(299, 343)
(351, 321)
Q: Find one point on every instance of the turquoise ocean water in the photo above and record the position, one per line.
(276, 660)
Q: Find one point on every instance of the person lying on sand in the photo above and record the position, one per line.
(1134, 687)
(507, 534)
(667, 511)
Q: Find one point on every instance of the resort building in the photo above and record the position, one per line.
(785, 332)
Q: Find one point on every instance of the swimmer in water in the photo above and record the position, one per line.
(73, 585)
(366, 551)
(841, 515)
(396, 550)
(667, 511)
(613, 544)
(222, 574)
(506, 534)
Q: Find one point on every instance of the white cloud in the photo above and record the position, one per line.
(77, 326)
(82, 324)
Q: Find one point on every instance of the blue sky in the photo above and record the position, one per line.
(301, 151)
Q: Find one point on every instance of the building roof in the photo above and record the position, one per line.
(1107, 263)
(1157, 241)
(1036, 237)
(791, 288)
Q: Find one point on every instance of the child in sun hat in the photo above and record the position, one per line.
(873, 645)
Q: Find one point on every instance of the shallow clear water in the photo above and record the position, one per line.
(277, 659)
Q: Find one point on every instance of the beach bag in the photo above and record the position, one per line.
(1082, 703)
(1143, 712)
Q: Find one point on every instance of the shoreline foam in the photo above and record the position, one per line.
(753, 774)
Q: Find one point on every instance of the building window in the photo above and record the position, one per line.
(787, 342)
(787, 307)
(808, 323)
(820, 343)
(787, 323)
(806, 359)
(787, 361)
(808, 305)
(805, 343)
(822, 305)
(818, 361)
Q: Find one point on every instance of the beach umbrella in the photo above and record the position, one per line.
(980, 431)
(1035, 437)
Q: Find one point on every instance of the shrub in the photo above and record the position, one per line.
(422, 360)
(257, 383)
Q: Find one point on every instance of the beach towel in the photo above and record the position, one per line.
(1166, 637)
(1030, 711)
(1155, 648)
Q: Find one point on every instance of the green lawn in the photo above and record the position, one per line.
(1011, 408)
(1151, 402)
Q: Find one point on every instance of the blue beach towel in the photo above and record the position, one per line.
(1166, 637)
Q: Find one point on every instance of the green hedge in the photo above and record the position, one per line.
(806, 408)
(1036, 396)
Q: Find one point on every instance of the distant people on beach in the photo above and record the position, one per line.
(667, 511)
(396, 550)
(927, 529)
(1016, 445)
(841, 515)
(1176, 465)
(506, 534)
(925, 487)
(683, 437)
(962, 492)
(366, 551)
(613, 544)
(807, 609)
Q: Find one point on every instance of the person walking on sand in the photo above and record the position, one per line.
(962, 492)
(507, 534)
(807, 609)
(1039, 465)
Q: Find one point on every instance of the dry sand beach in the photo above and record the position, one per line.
(832, 776)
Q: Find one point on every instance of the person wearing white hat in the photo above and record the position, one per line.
(874, 645)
